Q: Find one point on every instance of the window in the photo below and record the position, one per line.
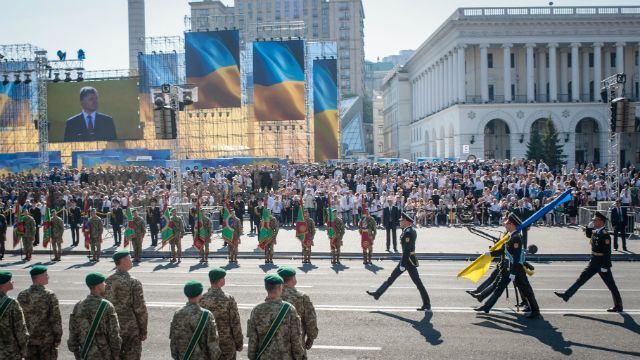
(612, 58)
(591, 92)
(591, 60)
(513, 89)
(490, 61)
(637, 58)
(491, 93)
(569, 90)
(513, 60)
(547, 56)
(569, 60)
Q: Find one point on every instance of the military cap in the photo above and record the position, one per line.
(407, 217)
(600, 216)
(37, 270)
(286, 271)
(94, 278)
(120, 254)
(273, 279)
(193, 288)
(216, 274)
(5, 277)
(514, 219)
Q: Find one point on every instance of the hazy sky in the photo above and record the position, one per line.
(100, 26)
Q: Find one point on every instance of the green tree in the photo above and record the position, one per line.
(553, 154)
(535, 149)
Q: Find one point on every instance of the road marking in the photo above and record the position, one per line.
(463, 288)
(340, 347)
(226, 285)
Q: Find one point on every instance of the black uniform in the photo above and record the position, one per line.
(153, 219)
(239, 209)
(253, 217)
(117, 219)
(75, 222)
(36, 214)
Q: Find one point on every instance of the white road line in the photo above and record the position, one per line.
(226, 285)
(340, 347)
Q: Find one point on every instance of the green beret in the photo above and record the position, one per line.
(193, 288)
(217, 274)
(5, 277)
(94, 278)
(286, 271)
(37, 270)
(273, 279)
(120, 254)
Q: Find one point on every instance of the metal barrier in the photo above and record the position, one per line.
(585, 214)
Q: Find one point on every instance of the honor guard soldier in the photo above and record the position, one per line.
(42, 314)
(14, 335)
(600, 262)
(57, 230)
(303, 305)
(95, 235)
(310, 233)
(178, 233)
(274, 329)
(271, 242)
(29, 234)
(193, 330)
(91, 319)
(154, 218)
(336, 242)
(139, 228)
(225, 311)
(409, 262)
(126, 295)
(367, 230)
(208, 231)
(233, 245)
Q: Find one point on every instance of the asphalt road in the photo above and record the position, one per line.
(354, 326)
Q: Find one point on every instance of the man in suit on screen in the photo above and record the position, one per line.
(89, 125)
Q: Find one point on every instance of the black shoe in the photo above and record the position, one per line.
(533, 315)
(395, 250)
(624, 249)
(424, 307)
(615, 309)
(482, 308)
(561, 295)
(388, 250)
(471, 292)
(372, 293)
(526, 308)
(615, 248)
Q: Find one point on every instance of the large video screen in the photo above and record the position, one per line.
(325, 105)
(93, 111)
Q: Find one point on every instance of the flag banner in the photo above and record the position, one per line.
(227, 223)
(301, 225)
(46, 228)
(167, 226)
(265, 232)
(199, 232)
(18, 229)
(85, 222)
(325, 109)
(129, 232)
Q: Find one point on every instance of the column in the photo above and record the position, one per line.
(553, 76)
(531, 96)
(564, 66)
(586, 78)
(445, 83)
(413, 100)
(432, 90)
(421, 97)
(506, 56)
(418, 98)
(607, 62)
(438, 86)
(442, 80)
(462, 78)
(542, 75)
(484, 73)
(454, 76)
(575, 72)
(429, 91)
(620, 62)
(597, 69)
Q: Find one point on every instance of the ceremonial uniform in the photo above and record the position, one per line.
(183, 326)
(271, 242)
(57, 230)
(14, 334)
(107, 342)
(336, 242)
(176, 241)
(225, 310)
(286, 343)
(367, 230)
(95, 236)
(139, 228)
(42, 315)
(208, 230)
(28, 236)
(306, 311)
(307, 243)
(233, 246)
(239, 209)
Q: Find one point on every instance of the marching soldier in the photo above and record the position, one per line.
(42, 315)
(409, 263)
(178, 232)
(29, 234)
(303, 305)
(225, 310)
(600, 262)
(14, 335)
(367, 230)
(307, 242)
(271, 242)
(94, 318)
(336, 241)
(233, 245)
(95, 235)
(154, 217)
(286, 341)
(126, 295)
(57, 230)
(208, 231)
(193, 330)
(140, 228)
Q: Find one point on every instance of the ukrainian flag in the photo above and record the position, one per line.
(278, 75)
(15, 109)
(325, 108)
(213, 65)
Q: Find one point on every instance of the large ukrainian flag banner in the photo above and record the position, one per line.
(213, 65)
(278, 77)
(325, 108)
(15, 109)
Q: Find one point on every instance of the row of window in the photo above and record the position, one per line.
(612, 60)
(569, 96)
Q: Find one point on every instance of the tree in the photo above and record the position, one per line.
(535, 149)
(553, 154)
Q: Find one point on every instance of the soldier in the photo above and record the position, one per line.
(336, 242)
(286, 341)
(126, 295)
(208, 230)
(233, 245)
(257, 214)
(600, 262)
(307, 242)
(367, 230)
(239, 208)
(14, 335)
(193, 330)
(117, 219)
(154, 217)
(29, 234)
(42, 315)
(254, 218)
(57, 230)
(95, 235)
(274, 226)
(303, 305)
(75, 222)
(140, 228)
(409, 262)
(94, 318)
(225, 310)
(178, 232)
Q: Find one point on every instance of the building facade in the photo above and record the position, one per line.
(487, 77)
(341, 21)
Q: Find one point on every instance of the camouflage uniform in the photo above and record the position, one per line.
(44, 322)
(286, 344)
(176, 242)
(95, 236)
(367, 248)
(336, 243)
(306, 311)
(126, 295)
(225, 310)
(140, 228)
(57, 230)
(14, 335)
(183, 326)
(308, 242)
(233, 246)
(29, 236)
(106, 342)
(271, 242)
(208, 230)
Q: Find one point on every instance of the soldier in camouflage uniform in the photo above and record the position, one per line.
(126, 295)
(178, 231)
(225, 310)
(106, 342)
(95, 235)
(271, 242)
(286, 343)
(140, 228)
(336, 242)
(369, 223)
(184, 324)
(307, 243)
(208, 230)
(303, 305)
(57, 230)
(29, 234)
(233, 246)
(14, 335)
(42, 314)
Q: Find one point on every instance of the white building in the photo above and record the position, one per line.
(455, 93)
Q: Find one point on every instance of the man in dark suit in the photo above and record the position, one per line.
(117, 219)
(523, 212)
(36, 214)
(390, 220)
(619, 223)
(75, 222)
(89, 125)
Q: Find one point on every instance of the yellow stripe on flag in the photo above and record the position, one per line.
(476, 270)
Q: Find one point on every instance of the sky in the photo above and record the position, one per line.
(100, 26)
